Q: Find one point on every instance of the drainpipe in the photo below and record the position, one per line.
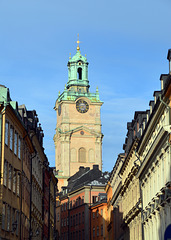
(49, 209)
(90, 210)
(31, 182)
(0, 160)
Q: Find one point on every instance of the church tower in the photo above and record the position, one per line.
(78, 137)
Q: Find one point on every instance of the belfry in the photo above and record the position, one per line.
(78, 137)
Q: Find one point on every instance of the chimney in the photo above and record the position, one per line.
(169, 58)
(95, 167)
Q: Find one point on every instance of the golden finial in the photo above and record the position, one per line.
(78, 47)
(69, 55)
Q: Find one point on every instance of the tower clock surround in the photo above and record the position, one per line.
(78, 137)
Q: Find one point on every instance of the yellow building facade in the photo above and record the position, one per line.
(16, 150)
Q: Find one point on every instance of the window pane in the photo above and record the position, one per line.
(5, 173)
(10, 177)
(18, 184)
(15, 143)
(17, 219)
(19, 147)
(14, 181)
(3, 216)
(6, 132)
(8, 217)
(11, 138)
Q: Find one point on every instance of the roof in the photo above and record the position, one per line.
(85, 176)
(77, 57)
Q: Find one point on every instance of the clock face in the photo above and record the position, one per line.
(82, 106)
(59, 110)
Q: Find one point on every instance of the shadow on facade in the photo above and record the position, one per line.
(120, 228)
(94, 226)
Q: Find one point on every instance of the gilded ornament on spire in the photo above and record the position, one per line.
(78, 47)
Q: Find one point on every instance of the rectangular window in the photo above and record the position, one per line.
(11, 137)
(3, 216)
(6, 132)
(71, 205)
(101, 230)
(10, 176)
(76, 219)
(13, 217)
(5, 172)
(94, 232)
(93, 214)
(79, 218)
(97, 231)
(14, 181)
(82, 217)
(82, 199)
(15, 143)
(17, 220)
(97, 213)
(102, 212)
(83, 235)
(18, 184)
(94, 199)
(71, 221)
(8, 217)
(19, 147)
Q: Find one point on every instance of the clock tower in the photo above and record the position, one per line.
(78, 137)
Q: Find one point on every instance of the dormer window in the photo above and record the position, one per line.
(79, 71)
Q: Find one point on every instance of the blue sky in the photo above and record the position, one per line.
(126, 43)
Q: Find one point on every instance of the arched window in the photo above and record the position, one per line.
(79, 71)
(82, 155)
(73, 155)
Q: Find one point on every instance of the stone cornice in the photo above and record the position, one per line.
(128, 157)
(129, 178)
(133, 212)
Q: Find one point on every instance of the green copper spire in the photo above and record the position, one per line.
(78, 83)
(78, 72)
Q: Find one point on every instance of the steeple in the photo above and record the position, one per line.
(78, 72)
(78, 83)
(78, 137)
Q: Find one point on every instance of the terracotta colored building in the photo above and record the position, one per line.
(76, 199)
(98, 221)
